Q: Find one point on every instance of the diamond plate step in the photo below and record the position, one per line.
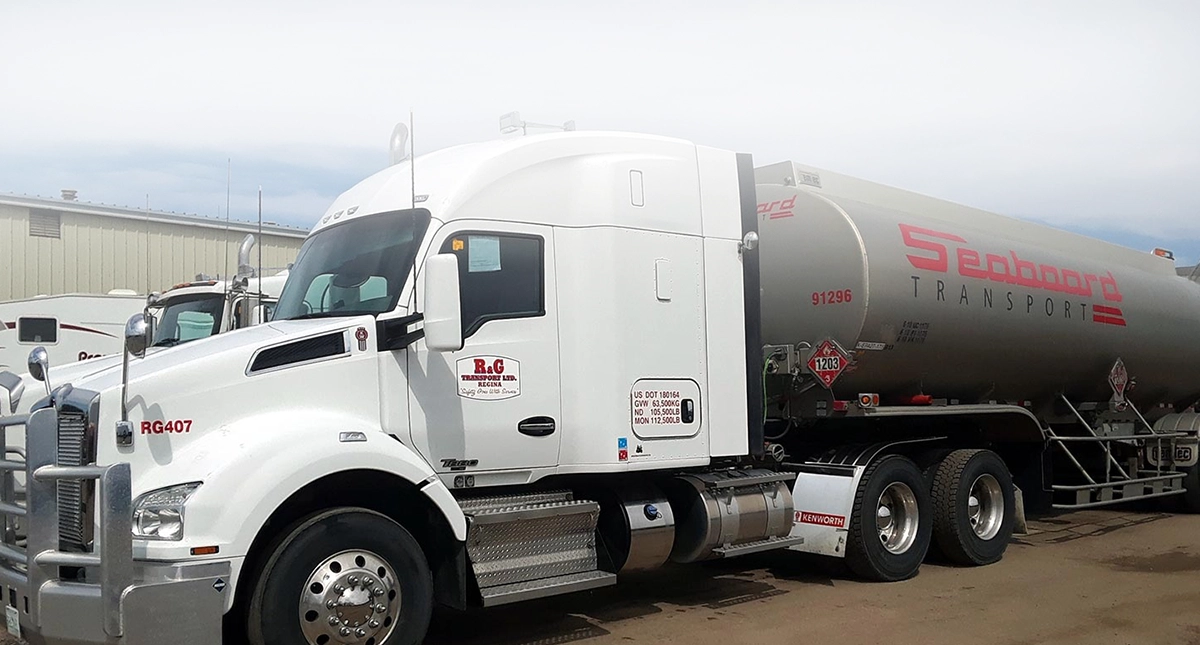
(474, 504)
(517, 592)
(520, 539)
(759, 547)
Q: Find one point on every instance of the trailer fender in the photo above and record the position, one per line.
(251, 468)
(824, 494)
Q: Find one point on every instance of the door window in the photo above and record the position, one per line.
(37, 330)
(500, 276)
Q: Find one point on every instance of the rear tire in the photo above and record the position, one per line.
(890, 525)
(389, 597)
(974, 507)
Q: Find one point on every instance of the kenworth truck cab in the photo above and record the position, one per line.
(461, 336)
(551, 361)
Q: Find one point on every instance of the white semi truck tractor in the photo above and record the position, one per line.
(558, 359)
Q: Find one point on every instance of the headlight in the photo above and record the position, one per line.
(158, 515)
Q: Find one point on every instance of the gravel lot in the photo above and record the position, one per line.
(1090, 578)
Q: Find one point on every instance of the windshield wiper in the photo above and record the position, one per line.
(167, 342)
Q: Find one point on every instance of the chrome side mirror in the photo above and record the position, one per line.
(137, 335)
(39, 366)
(153, 299)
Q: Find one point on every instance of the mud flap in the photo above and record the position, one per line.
(824, 499)
(1020, 526)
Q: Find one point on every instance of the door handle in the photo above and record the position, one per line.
(536, 426)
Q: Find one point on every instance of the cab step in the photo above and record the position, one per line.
(760, 546)
(528, 546)
(519, 591)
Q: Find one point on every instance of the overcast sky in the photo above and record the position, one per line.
(1080, 114)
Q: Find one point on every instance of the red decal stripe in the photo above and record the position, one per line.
(1108, 320)
(90, 331)
(782, 215)
(1109, 311)
(10, 325)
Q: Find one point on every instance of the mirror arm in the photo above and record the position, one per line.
(395, 334)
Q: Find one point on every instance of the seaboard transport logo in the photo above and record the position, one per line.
(1009, 281)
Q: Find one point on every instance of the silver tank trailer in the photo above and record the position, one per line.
(940, 299)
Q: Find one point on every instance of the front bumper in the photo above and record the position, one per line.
(103, 596)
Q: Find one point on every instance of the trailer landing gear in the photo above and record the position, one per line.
(974, 507)
(890, 525)
(1190, 501)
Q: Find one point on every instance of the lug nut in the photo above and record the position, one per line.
(367, 582)
(377, 591)
(339, 589)
(345, 631)
(373, 624)
(330, 604)
(333, 620)
(353, 580)
(360, 632)
(381, 608)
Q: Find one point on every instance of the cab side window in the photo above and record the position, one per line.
(500, 276)
(37, 330)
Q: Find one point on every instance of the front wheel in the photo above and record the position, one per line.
(890, 525)
(344, 576)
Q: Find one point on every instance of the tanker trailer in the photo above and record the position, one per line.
(891, 314)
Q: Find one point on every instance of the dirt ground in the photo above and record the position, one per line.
(1091, 578)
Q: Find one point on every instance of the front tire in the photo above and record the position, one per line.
(974, 507)
(890, 525)
(345, 575)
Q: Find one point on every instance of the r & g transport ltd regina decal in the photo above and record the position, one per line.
(489, 378)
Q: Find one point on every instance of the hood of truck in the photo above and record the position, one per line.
(232, 350)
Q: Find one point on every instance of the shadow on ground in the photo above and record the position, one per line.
(678, 588)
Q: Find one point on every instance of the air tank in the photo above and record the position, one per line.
(953, 302)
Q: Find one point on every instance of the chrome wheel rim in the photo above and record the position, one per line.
(896, 518)
(351, 597)
(985, 507)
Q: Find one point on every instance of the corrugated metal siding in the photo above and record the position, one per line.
(96, 254)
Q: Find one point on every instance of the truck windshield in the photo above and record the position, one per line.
(354, 268)
(185, 318)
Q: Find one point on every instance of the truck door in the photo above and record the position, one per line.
(494, 404)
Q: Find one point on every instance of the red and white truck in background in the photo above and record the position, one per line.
(557, 359)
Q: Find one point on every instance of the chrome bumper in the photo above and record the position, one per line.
(108, 598)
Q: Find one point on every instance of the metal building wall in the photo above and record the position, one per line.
(96, 253)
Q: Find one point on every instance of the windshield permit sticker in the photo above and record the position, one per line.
(483, 254)
(489, 378)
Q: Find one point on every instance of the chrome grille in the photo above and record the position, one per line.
(74, 516)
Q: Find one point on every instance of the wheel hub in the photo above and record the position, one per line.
(350, 597)
(896, 518)
(985, 507)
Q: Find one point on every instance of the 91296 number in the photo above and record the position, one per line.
(838, 297)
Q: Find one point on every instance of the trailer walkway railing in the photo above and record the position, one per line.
(1116, 483)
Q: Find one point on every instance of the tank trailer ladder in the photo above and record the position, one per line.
(1117, 483)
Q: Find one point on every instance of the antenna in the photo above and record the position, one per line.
(412, 160)
(147, 245)
(228, 192)
(261, 242)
